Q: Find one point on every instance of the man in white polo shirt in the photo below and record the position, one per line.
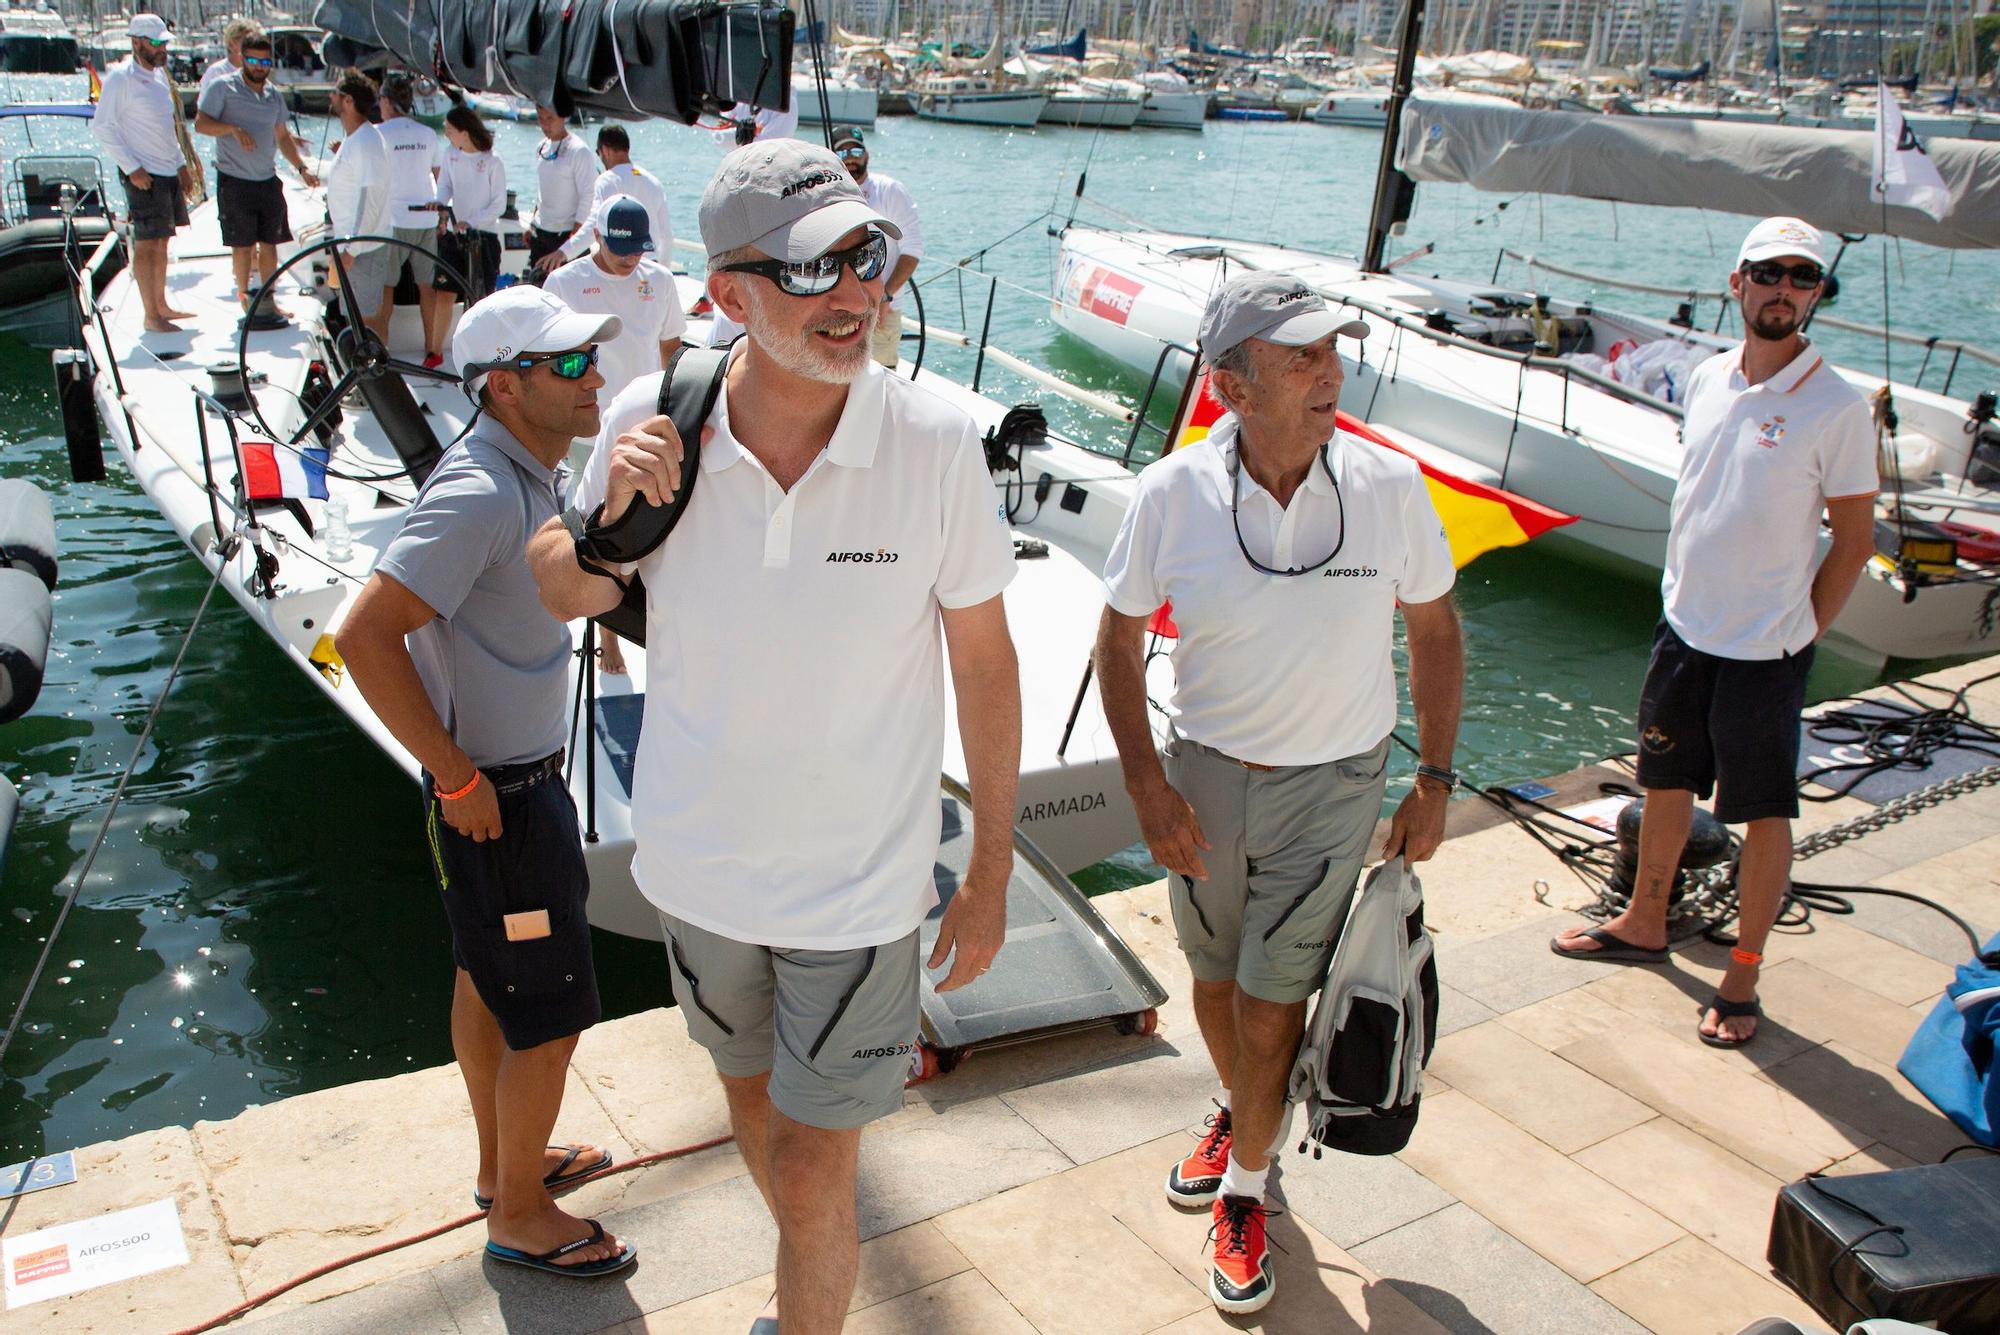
(842, 531)
(565, 174)
(1773, 439)
(1286, 548)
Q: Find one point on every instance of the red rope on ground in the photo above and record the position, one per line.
(267, 1295)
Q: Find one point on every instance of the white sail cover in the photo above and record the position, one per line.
(1822, 176)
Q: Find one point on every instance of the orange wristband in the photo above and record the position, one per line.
(471, 784)
(1742, 956)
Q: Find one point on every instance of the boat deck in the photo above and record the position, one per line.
(1582, 1163)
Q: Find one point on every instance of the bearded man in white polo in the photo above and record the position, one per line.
(785, 804)
(1286, 548)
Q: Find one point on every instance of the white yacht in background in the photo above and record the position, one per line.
(37, 41)
(848, 101)
(1172, 103)
(1111, 104)
(978, 99)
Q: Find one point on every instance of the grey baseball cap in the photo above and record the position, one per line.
(790, 199)
(1275, 307)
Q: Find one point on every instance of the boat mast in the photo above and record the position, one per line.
(1394, 192)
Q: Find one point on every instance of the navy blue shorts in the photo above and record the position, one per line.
(543, 989)
(1727, 726)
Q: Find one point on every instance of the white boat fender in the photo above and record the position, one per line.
(27, 530)
(688, 391)
(26, 617)
(79, 415)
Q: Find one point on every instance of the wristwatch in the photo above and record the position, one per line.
(1438, 774)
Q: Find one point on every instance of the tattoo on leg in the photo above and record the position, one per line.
(1652, 885)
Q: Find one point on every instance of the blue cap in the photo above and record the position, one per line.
(626, 228)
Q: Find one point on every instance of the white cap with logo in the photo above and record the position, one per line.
(1782, 238)
(151, 27)
(521, 321)
(790, 199)
(1275, 307)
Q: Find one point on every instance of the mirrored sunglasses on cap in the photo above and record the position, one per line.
(811, 278)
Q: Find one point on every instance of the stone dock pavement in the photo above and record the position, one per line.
(1582, 1163)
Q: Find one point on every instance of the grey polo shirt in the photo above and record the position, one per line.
(494, 663)
(230, 101)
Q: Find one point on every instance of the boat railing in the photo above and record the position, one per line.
(1933, 345)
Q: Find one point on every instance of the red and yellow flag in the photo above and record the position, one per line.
(96, 84)
(1476, 517)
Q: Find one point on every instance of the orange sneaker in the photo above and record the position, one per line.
(1240, 1280)
(1197, 1179)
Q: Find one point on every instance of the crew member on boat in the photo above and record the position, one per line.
(620, 278)
(1774, 439)
(452, 648)
(231, 59)
(471, 193)
(415, 154)
(135, 123)
(246, 116)
(357, 200)
(1286, 548)
(566, 173)
(785, 804)
(891, 198)
(622, 176)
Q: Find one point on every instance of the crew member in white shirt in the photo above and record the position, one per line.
(1773, 439)
(1287, 548)
(618, 278)
(622, 176)
(357, 200)
(891, 198)
(415, 153)
(231, 60)
(135, 123)
(566, 174)
(785, 806)
(472, 186)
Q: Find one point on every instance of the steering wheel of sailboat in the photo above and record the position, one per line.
(359, 353)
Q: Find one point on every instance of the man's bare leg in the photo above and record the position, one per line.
(1267, 1042)
(610, 653)
(528, 1094)
(1762, 876)
(819, 1250)
(149, 265)
(1215, 1016)
(750, 1121)
(239, 264)
(1663, 834)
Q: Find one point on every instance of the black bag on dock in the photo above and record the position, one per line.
(1919, 1244)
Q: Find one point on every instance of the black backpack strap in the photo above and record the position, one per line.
(688, 392)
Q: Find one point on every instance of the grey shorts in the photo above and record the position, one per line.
(835, 1028)
(1288, 845)
(370, 272)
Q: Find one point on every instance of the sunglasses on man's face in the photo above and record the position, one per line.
(157, 43)
(567, 365)
(1769, 273)
(815, 277)
(258, 62)
(854, 151)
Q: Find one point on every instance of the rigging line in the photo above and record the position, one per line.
(104, 828)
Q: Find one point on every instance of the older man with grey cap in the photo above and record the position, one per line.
(842, 531)
(1286, 547)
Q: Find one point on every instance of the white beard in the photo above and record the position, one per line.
(802, 353)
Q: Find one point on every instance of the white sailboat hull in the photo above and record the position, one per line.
(847, 103)
(1110, 113)
(1164, 110)
(1015, 110)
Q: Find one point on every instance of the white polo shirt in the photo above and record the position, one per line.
(1277, 669)
(415, 152)
(642, 185)
(648, 310)
(786, 787)
(1758, 465)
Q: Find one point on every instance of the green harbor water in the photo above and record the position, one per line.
(261, 921)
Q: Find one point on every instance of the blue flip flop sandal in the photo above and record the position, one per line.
(1725, 1009)
(547, 1260)
(1611, 949)
(562, 1174)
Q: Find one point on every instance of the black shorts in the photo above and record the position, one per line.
(475, 254)
(542, 242)
(543, 989)
(156, 212)
(252, 213)
(1724, 725)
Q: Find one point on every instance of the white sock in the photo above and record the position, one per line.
(1240, 1181)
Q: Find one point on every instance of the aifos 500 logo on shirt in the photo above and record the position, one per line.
(879, 557)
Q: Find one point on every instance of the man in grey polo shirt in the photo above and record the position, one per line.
(246, 116)
(1286, 548)
(451, 647)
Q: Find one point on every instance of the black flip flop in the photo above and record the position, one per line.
(1725, 1009)
(561, 1175)
(546, 1261)
(1611, 949)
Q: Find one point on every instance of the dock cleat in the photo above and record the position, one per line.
(1196, 1180)
(1240, 1278)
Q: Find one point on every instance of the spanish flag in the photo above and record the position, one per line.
(1477, 518)
(96, 84)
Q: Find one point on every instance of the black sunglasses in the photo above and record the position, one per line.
(812, 278)
(1805, 276)
(567, 365)
(1236, 493)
